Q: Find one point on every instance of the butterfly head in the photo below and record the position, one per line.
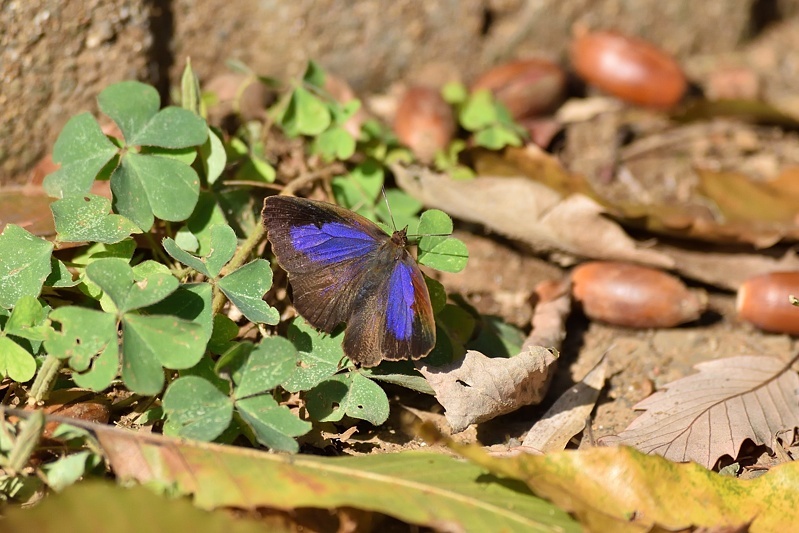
(400, 237)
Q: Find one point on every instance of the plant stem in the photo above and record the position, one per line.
(45, 380)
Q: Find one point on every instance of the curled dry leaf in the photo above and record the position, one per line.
(478, 388)
(566, 418)
(709, 414)
(530, 212)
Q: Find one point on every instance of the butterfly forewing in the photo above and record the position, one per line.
(343, 268)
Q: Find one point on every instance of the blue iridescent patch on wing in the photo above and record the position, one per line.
(399, 312)
(333, 242)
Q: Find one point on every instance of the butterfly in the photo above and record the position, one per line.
(344, 269)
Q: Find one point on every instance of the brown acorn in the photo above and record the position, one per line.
(527, 88)
(629, 68)
(424, 122)
(765, 302)
(634, 296)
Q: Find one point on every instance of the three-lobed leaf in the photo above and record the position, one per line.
(351, 394)
(222, 244)
(274, 425)
(436, 249)
(116, 278)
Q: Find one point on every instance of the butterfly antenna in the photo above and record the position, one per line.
(388, 206)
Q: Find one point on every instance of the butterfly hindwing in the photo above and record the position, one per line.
(396, 319)
(344, 268)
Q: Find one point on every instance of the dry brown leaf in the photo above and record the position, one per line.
(709, 414)
(727, 270)
(530, 212)
(478, 388)
(566, 418)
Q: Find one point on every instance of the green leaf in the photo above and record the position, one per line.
(274, 425)
(83, 150)
(314, 75)
(24, 264)
(147, 185)
(438, 294)
(439, 251)
(122, 250)
(305, 115)
(401, 373)
(15, 361)
(131, 105)
(261, 170)
(271, 363)
(89, 218)
(187, 156)
(458, 322)
(207, 213)
(222, 243)
(68, 469)
(116, 278)
(343, 112)
(224, 331)
(246, 286)
(172, 127)
(360, 188)
(173, 342)
(404, 208)
(496, 137)
(60, 276)
(213, 156)
(334, 143)
(192, 302)
(27, 320)
(455, 92)
(497, 338)
(479, 111)
(190, 89)
(320, 356)
(197, 408)
(435, 222)
(350, 394)
(103, 370)
(83, 334)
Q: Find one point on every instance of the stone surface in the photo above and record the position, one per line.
(368, 43)
(55, 56)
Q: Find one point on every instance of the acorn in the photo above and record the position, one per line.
(629, 68)
(528, 88)
(765, 302)
(634, 296)
(424, 122)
